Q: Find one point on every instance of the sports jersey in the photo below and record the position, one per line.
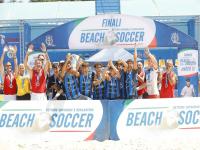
(38, 82)
(23, 85)
(151, 81)
(142, 91)
(99, 90)
(85, 84)
(71, 86)
(131, 84)
(122, 84)
(112, 88)
(167, 90)
(10, 85)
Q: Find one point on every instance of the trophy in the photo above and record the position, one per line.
(74, 61)
(11, 50)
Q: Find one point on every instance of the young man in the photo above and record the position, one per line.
(168, 82)
(151, 76)
(188, 90)
(38, 75)
(140, 76)
(122, 67)
(85, 80)
(70, 77)
(9, 77)
(131, 77)
(112, 85)
(23, 84)
(99, 83)
(56, 85)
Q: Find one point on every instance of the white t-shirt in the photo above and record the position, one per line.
(152, 81)
(188, 91)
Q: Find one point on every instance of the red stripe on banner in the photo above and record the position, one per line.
(69, 131)
(191, 128)
(190, 75)
(90, 137)
(12, 39)
(153, 42)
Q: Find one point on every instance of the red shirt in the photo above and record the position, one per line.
(142, 91)
(167, 90)
(38, 82)
(10, 85)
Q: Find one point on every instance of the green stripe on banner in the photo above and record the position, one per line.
(2, 103)
(79, 20)
(127, 102)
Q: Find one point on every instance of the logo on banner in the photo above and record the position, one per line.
(49, 40)
(2, 39)
(175, 38)
(76, 120)
(110, 38)
(112, 30)
(146, 118)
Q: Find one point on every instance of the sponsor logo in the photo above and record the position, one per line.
(2, 39)
(175, 38)
(49, 40)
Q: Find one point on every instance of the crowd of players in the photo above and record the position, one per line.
(62, 81)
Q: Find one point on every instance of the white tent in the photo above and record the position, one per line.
(113, 54)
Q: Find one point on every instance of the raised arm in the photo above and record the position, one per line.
(115, 69)
(68, 59)
(48, 65)
(124, 64)
(135, 58)
(151, 58)
(5, 49)
(27, 67)
(15, 60)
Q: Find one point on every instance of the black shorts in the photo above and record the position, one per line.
(24, 97)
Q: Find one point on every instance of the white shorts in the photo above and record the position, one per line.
(38, 96)
(9, 98)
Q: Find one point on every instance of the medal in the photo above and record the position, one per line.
(10, 77)
(38, 78)
(11, 86)
(37, 83)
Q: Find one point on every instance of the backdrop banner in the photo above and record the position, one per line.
(99, 120)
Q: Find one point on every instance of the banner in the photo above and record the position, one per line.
(50, 121)
(188, 70)
(150, 118)
(98, 120)
(103, 31)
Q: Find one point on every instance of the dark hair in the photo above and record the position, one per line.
(97, 64)
(187, 80)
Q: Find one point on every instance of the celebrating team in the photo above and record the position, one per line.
(119, 80)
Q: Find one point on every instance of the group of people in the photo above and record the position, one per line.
(116, 80)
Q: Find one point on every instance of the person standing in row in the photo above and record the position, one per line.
(85, 80)
(23, 84)
(168, 82)
(122, 67)
(99, 83)
(188, 89)
(9, 77)
(112, 85)
(38, 75)
(56, 85)
(141, 76)
(131, 77)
